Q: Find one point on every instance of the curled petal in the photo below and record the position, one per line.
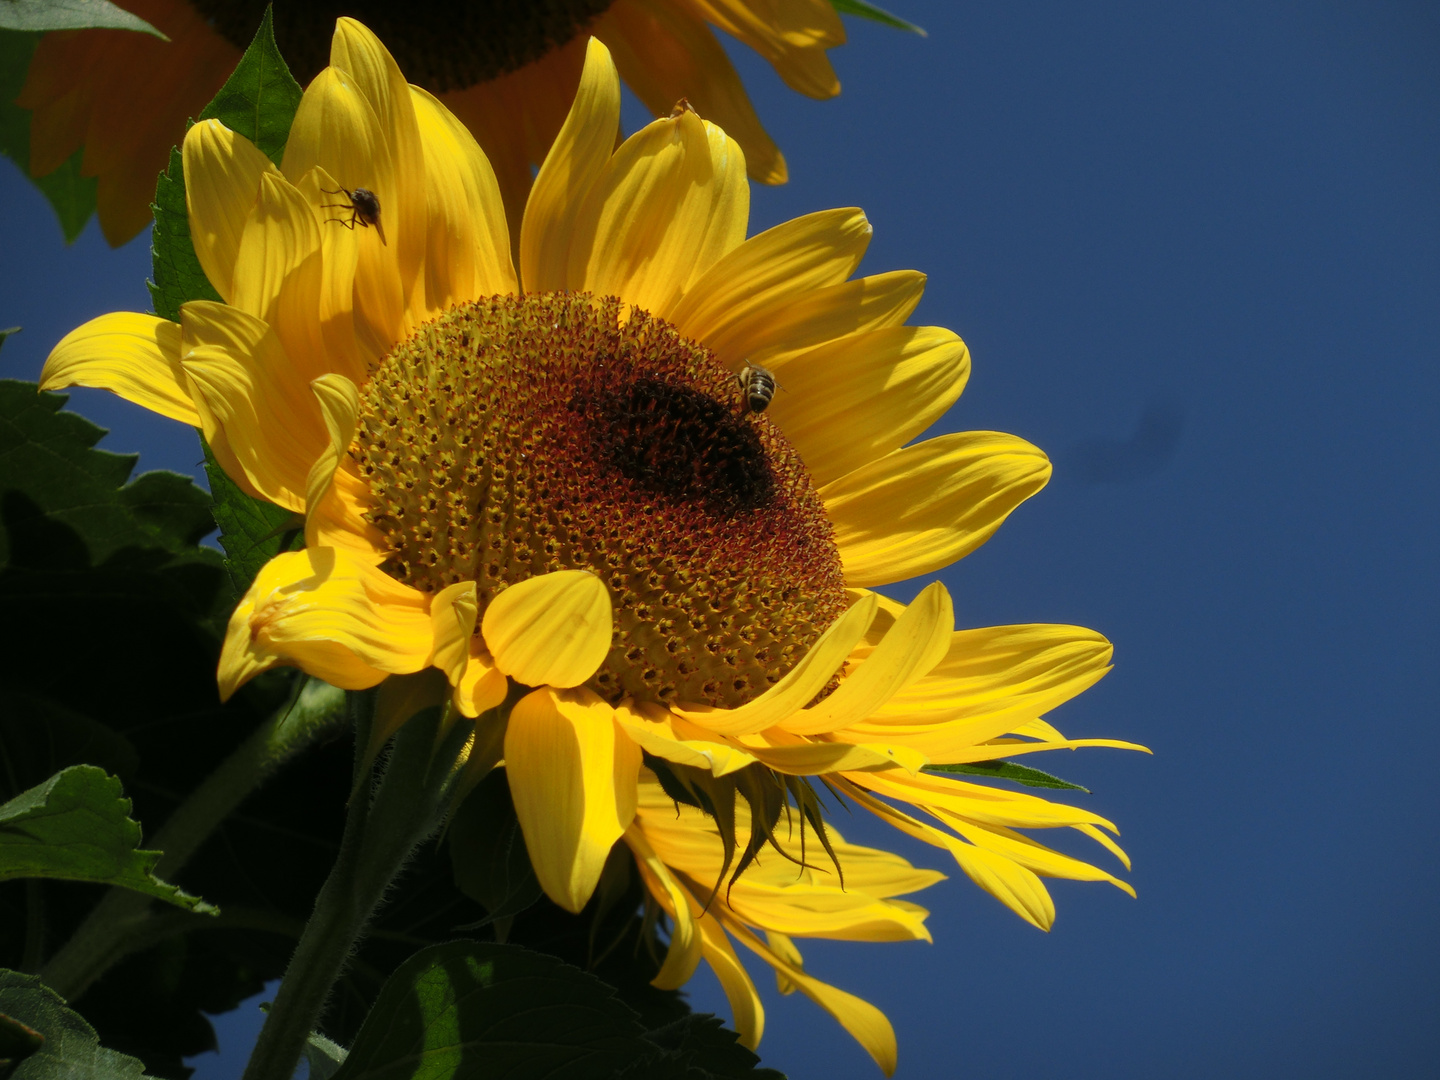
(551, 630)
(222, 182)
(333, 617)
(478, 684)
(134, 356)
(799, 685)
(339, 407)
(685, 949)
(573, 777)
(917, 642)
(654, 729)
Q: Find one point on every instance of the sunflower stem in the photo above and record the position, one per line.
(383, 826)
(118, 925)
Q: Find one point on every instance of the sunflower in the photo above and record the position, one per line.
(679, 853)
(507, 68)
(550, 486)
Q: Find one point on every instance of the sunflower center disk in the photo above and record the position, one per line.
(439, 44)
(516, 436)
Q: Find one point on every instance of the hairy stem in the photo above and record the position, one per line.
(408, 806)
(118, 925)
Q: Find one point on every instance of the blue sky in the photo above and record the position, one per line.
(1195, 250)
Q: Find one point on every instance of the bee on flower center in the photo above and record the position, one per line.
(758, 386)
(364, 207)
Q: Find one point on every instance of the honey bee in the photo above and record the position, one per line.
(758, 386)
(363, 205)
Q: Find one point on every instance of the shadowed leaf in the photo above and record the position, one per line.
(77, 827)
(70, 15)
(70, 1050)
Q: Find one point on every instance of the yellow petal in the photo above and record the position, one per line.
(550, 630)
(771, 270)
(571, 168)
(317, 311)
(336, 129)
(1028, 853)
(917, 642)
(665, 52)
(867, 1024)
(338, 518)
(467, 245)
(799, 685)
(339, 409)
(453, 614)
(359, 53)
(792, 35)
(858, 398)
(652, 727)
(923, 507)
(796, 756)
(747, 1012)
(671, 201)
(774, 334)
(683, 955)
(134, 356)
(279, 238)
(333, 617)
(572, 776)
(482, 686)
(1014, 886)
(222, 181)
(262, 422)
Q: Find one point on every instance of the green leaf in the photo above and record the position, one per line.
(467, 1010)
(1008, 770)
(260, 97)
(7, 332)
(488, 852)
(51, 474)
(863, 10)
(71, 195)
(17, 1042)
(70, 15)
(258, 101)
(70, 1049)
(77, 827)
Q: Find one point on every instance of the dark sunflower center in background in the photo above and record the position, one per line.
(520, 435)
(439, 44)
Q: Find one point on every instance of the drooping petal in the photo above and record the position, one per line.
(867, 1024)
(573, 778)
(792, 34)
(917, 642)
(262, 421)
(684, 952)
(771, 270)
(799, 685)
(478, 684)
(467, 244)
(923, 507)
(134, 356)
(666, 52)
(746, 1011)
(571, 169)
(670, 202)
(222, 182)
(856, 399)
(329, 615)
(550, 630)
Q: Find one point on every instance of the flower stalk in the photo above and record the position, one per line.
(382, 828)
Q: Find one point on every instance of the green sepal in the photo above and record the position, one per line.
(861, 9)
(70, 195)
(69, 1048)
(77, 827)
(1008, 770)
(70, 15)
(468, 1010)
(7, 332)
(258, 101)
